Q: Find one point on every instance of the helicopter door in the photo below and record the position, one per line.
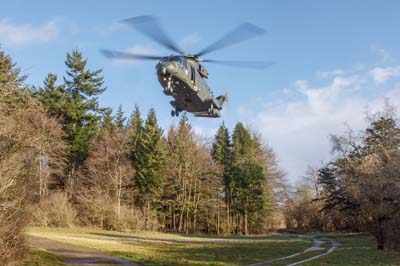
(192, 75)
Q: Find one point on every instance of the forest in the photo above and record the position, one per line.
(67, 161)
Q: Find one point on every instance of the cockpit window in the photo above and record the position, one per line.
(176, 59)
(183, 62)
(180, 60)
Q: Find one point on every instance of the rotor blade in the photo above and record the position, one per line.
(246, 64)
(149, 26)
(243, 32)
(128, 56)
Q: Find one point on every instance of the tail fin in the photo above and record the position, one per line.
(222, 99)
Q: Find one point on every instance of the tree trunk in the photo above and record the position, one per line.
(245, 223)
(218, 217)
(148, 214)
(380, 236)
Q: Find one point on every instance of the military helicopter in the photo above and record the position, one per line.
(181, 75)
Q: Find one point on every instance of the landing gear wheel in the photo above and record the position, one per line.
(211, 110)
(174, 113)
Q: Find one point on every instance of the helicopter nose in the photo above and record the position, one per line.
(167, 68)
(162, 68)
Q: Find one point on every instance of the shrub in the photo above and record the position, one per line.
(55, 210)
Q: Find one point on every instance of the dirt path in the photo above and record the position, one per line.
(74, 255)
(318, 242)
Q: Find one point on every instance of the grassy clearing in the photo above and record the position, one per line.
(175, 249)
(356, 250)
(39, 257)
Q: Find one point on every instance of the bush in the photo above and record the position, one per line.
(12, 222)
(55, 210)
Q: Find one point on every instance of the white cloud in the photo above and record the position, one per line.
(383, 74)
(301, 84)
(12, 34)
(298, 129)
(331, 73)
(383, 54)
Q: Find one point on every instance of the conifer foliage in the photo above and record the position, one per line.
(75, 103)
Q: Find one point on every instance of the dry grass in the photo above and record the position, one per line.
(175, 249)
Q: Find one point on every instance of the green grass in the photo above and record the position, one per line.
(176, 249)
(157, 249)
(39, 257)
(356, 250)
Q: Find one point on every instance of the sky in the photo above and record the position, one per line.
(335, 62)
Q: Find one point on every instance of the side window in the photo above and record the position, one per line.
(192, 74)
(184, 64)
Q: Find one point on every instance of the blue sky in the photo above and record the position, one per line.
(335, 60)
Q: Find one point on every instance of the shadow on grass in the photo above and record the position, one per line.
(207, 239)
(226, 254)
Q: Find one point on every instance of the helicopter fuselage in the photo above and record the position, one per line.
(185, 81)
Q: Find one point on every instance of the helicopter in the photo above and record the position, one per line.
(182, 75)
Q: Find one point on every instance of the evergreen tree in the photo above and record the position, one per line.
(147, 159)
(82, 108)
(53, 96)
(249, 186)
(135, 124)
(221, 151)
(222, 154)
(77, 104)
(9, 72)
(107, 121)
(383, 135)
(149, 163)
(243, 144)
(249, 178)
(120, 118)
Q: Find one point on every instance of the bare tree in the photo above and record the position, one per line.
(26, 160)
(106, 177)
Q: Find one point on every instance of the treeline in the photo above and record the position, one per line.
(67, 161)
(360, 189)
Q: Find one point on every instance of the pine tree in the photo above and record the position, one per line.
(82, 108)
(107, 121)
(149, 162)
(135, 124)
(221, 151)
(120, 118)
(249, 177)
(222, 154)
(147, 159)
(243, 144)
(249, 190)
(75, 102)
(9, 72)
(52, 96)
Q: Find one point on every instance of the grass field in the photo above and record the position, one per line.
(39, 257)
(356, 250)
(175, 249)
